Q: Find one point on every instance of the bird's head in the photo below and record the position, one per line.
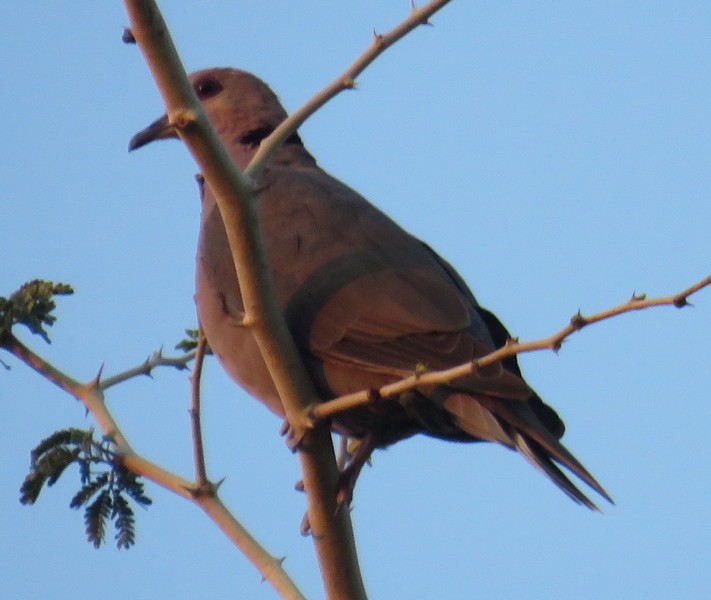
(241, 107)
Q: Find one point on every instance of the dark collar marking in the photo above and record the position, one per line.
(254, 137)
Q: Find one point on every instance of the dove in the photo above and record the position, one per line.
(366, 302)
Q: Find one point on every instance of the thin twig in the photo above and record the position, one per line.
(345, 81)
(198, 449)
(146, 368)
(270, 568)
(92, 396)
(511, 348)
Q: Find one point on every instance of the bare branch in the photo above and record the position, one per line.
(198, 449)
(92, 396)
(345, 81)
(205, 496)
(146, 368)
(270, 568)
(553, 342)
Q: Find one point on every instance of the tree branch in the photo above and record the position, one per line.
(334, 543)
(234, 192)
(345, 81)
(198, 449)
(205, 496)
(154, 360)
(92, 396)
(512, 347)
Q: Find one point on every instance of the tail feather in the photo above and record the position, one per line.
(540, 459)
(534, 440)
(534, 427)
(521, 418)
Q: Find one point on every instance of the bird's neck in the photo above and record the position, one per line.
(291, 152)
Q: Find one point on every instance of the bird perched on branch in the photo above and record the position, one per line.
(365, 301)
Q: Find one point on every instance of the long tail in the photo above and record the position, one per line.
(525, 432)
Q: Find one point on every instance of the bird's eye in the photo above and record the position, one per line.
(206, 88)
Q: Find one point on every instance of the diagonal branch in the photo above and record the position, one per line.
(146, 368)
(345, 81)
(92, 396)
(234, 192)
(334, 543)
(511, 348)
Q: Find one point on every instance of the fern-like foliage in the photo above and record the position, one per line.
(190, 342)
(32, 306)
(106, 493)
(95, 517)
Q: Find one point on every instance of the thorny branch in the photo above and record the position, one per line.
(146, 368)
(335, 546)
(512, 347)
(198, 449)
(91, 394)
(345, 81)
(203, 494)
(333, 541)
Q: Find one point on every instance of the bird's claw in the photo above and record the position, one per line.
(344, 489)
(305, 527)
(294, 434)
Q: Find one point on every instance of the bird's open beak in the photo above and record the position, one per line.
(160, 129)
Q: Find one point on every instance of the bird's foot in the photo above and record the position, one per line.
(293, 434)
(345, 485)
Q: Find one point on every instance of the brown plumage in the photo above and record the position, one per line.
(365, 301)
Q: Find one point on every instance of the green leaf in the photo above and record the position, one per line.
(32, 306)
(31, 487)
(58, 460)
(190, 342)
(47, 469)
(129, 482)
(70, 436)
(86, 492)
(95, 517)
(108, 491)
(124, 523)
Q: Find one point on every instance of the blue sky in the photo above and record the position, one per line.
(558, 154)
